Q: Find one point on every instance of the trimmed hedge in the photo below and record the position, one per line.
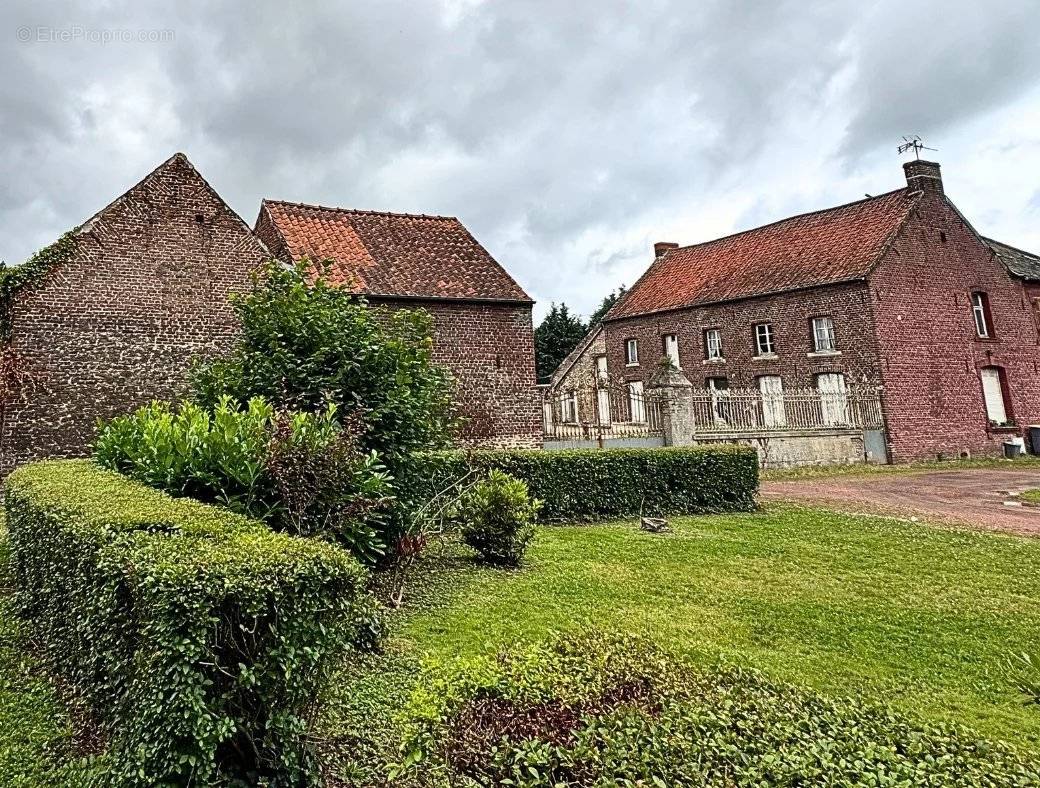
(590, 484)
(594, 709)
(197, 636)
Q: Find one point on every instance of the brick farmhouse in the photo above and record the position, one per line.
(897, 290)
(113, 314)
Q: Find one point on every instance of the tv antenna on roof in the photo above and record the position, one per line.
(913, 142)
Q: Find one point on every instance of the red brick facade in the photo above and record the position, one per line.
(143, 291)
(907, 324)
(790, 315)
(931, 354)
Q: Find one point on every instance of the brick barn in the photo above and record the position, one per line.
(897, 290)
(112, 315)
(483, 329)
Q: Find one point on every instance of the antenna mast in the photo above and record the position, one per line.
(913, 142)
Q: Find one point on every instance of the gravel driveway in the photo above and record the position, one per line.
(974, 497)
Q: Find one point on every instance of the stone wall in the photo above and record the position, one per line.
(144, 290)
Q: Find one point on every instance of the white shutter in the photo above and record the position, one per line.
(635, 401)
(772, 390)
(994, 395)
(833, 400)
(671, 349)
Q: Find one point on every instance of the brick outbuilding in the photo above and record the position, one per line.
(897, 290)
(483, 329)
(111, 316)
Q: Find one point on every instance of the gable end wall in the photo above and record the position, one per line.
(119, 323)
(930, 355)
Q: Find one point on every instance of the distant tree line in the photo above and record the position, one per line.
(561, 330)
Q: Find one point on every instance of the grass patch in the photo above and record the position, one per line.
(917, 616)
(1031, 496)
(1025, 463)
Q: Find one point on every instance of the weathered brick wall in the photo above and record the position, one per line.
(489, 348)
(118, 324)
(790, 315)
(931, 356)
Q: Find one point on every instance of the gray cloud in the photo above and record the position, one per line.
(565, 136)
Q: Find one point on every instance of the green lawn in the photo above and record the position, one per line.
(919, 616)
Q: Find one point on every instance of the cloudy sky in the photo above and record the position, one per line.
(568, 136)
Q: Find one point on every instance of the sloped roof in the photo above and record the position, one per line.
(574, 355)
(824, 247)
(392, 254)
(1020, 263)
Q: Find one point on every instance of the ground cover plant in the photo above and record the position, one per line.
(863, 469)
(920, 617)
(198, 638)
(1031, 496)
(589, 709)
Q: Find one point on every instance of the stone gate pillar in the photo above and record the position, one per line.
(675, 392)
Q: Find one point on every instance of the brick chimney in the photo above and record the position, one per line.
(923, 176)
(663, 246)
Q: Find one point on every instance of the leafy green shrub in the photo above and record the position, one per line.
(197, 636)
(301, 472)
(306, 343)
(498, 516)
(589, 484)
(605, 710)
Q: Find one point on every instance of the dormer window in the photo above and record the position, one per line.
(980, 311)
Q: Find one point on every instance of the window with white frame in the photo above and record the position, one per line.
(713, 344)
(636, 406)
(980, 310)
(994, 391)
(823, 335)
(764, 344)
(631, 352)
(670, 345)
(834, 401)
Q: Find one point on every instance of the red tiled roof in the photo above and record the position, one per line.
(391, 254)
(825, 247)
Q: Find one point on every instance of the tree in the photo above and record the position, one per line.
(306, 345)
(604, 306)
(556, 336)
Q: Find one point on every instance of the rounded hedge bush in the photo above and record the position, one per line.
(604, 710)
(498, 516)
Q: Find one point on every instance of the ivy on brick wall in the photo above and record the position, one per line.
(14, 375)
(14, 278)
